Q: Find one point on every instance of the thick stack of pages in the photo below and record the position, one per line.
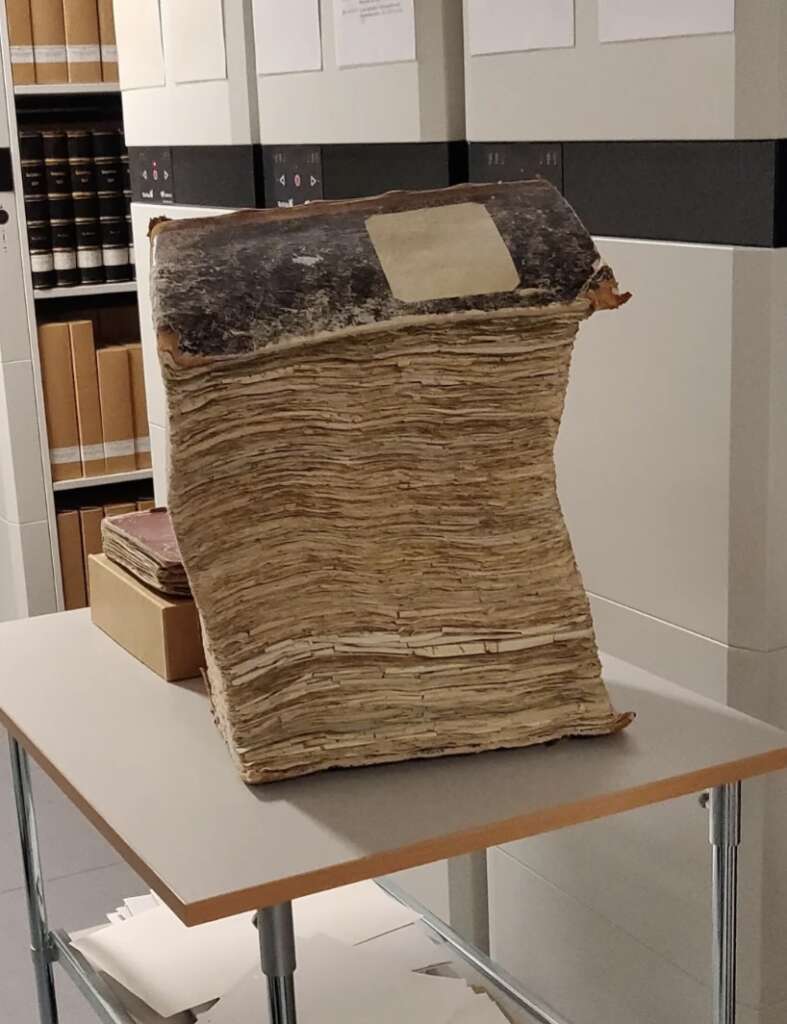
(144, 544)
(363, 403)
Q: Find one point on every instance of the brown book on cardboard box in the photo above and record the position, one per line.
(49, 41)
(20, 37)
(114, 385)
(59, 401)
(83, 48)
(109, 50)
(90, 525)
(72, 566)
(139, 406)
(91, 436)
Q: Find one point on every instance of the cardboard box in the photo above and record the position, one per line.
(90, 527)
(146, 505)
(120, 509)
(54, 346)
(162, 632)
(69, 538)
(83, 359)
(83, 49)
(49, 41)
(109, 50)
(114, 386)
(139, 407)
(20, 37)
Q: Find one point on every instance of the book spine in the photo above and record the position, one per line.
(85, 202)
(20, 38)
(49, 41)
(72, 563)
(109, 50)
(132, 269)
(61, 209)
(91, 435)
(83, 47)
(108, 148)
(90, 522)
(34, 189)
(117, 419)
(59, 401)
(139, 407)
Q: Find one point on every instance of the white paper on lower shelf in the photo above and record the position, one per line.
(340, 984)
(353, 913)
(169, 966)
(410, 948)
(174, 968)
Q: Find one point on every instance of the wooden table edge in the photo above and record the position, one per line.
(413, 855)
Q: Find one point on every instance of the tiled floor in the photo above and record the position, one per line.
(84, 876)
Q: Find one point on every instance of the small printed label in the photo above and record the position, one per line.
(62, 456)
(41, 262)
(88, 259)
(83, 53)
(109, 53)
(65, 259)
(116, 257)
(115, 448)
(50, 54)
(92, 452)
(22, 55)
(142, 444)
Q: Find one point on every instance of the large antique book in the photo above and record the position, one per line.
(363, 403)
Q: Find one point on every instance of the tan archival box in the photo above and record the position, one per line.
(163, 632)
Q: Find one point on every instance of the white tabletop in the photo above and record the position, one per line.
(144, 762)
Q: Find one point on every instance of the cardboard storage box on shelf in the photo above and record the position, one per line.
(20, 36)
(83, 50)
(49, 41)
(91, 435)
(109, 50)
(59, 401)
(163, 632)
(117, 418)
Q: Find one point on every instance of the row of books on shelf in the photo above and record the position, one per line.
(59, 41)
(94, 400)
(79, 536)
(77, 193)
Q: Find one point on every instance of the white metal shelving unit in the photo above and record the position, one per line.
(36, 586)
(66, 89)
(82, 482)
(85, 290)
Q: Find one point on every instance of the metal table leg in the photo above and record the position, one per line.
(34, 885)
(725, 837)
(277, 954)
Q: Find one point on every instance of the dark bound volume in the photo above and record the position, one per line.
(61, 208)
(82, 173)
(34, 189)
(108, 149)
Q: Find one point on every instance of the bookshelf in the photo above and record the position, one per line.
(84, 482)
(38, 587)
(66, 89)
(84, 291)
